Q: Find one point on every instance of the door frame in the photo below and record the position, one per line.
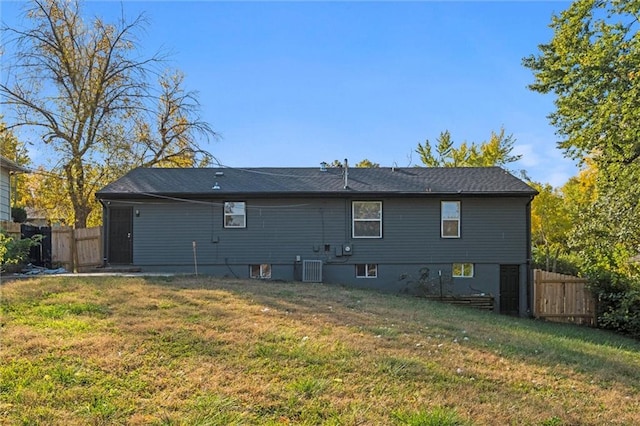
(510, 305)
(120, 223)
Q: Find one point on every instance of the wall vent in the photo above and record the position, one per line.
(312, 271)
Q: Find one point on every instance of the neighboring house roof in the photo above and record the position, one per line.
(12, 166)
(299, 181)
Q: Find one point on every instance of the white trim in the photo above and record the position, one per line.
(240, 205)
(354, 220)
(465, 272)
(264, 271)
(449, 217)
(366, 270)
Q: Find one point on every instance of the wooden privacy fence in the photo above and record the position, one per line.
(77, 249)
(11, 228)
(73, 249)
(563, 298)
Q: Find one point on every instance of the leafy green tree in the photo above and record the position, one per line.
(550, 225)
(367, 164)
(605, 233)
(494, 152)
(591, 66)
(83, 86)
(362, 164)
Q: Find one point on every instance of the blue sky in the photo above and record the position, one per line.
(297, 83)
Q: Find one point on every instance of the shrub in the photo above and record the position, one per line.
(622, 312)
(15, 252)
(618, 302)
(19, 214)
(562, 263)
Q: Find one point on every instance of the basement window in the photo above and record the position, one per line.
(366, 270)
(261, 272)
(235, 215)
(462, 270)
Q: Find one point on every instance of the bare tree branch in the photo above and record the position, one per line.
(84, 87)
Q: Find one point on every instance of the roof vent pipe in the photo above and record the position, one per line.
(323, 166)
(346, 174)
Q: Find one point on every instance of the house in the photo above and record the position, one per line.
(7, 169)
(378, 228)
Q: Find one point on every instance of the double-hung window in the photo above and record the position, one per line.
(450, 219)
(367, 219)
(235, 214)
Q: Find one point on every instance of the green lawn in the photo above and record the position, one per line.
(204, 351)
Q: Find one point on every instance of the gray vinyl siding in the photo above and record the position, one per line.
(280, 231)
(5, 194)
(276, 232)
(493, 231)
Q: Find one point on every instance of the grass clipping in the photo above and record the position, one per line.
(185, 350)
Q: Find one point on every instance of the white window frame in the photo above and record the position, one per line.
(355, 220)
(370, 270)
(446, 215)
(260, 271)
(229, 211)
(462, 270)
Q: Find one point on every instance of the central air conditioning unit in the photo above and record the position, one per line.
(312, 271)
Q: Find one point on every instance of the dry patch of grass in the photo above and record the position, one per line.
(170, 351)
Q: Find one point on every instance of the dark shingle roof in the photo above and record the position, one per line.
(301, 181)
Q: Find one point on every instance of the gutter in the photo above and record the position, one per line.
(528, 255)
(349, 193)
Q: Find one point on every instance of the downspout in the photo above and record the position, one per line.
(105, 232)
(528, 253)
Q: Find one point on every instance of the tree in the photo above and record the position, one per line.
(607, 231)
(177, 121)
(550, 224)
(367, 164)
(494, 152)
(16, 151)
(42, 194)
(363, 164)
(591, 66)
(83, 86)
(12, 148)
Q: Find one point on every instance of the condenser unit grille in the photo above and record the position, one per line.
(312, 271)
